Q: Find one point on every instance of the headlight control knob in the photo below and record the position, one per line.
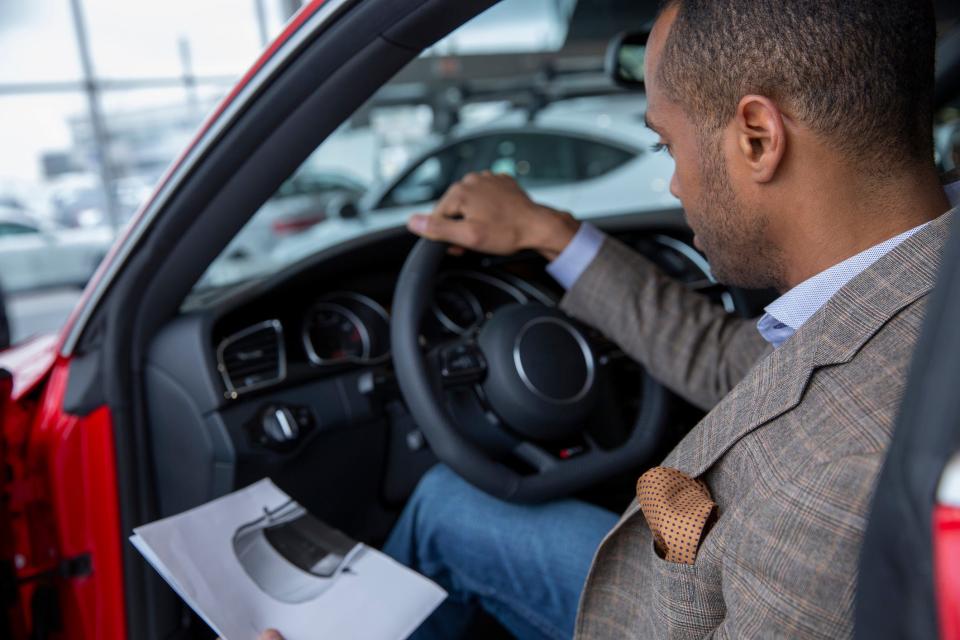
(280, 425)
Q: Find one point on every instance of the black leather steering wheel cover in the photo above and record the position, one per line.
(412, 297)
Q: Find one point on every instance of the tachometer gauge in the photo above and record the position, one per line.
(457, 308)
(333, 333)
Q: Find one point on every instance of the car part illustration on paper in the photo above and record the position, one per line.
(292, 556)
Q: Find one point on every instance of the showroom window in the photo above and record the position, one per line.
(520, 90)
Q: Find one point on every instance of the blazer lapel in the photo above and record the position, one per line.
(833, 335)
(774, 386)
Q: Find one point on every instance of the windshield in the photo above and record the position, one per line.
(519, 90)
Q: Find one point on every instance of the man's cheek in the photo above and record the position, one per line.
(690, 215)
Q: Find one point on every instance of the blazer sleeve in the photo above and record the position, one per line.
(685, 341)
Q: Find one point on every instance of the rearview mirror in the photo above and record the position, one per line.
(625, 56)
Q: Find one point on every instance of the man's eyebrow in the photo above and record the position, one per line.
(650, 124)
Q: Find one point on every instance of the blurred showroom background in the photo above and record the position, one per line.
(98, 97)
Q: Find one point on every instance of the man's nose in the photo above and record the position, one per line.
(674, 186)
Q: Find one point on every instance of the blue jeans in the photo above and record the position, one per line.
(525, 565)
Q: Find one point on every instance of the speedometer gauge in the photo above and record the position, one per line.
(332, 333)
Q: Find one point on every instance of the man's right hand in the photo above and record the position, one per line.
(492, 214)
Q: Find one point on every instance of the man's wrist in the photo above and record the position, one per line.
(552, 232)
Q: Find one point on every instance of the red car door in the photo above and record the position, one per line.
(59, 518)
(946, 550)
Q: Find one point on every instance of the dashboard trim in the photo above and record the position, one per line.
(233, 392)
(349, 315)
(331, 299)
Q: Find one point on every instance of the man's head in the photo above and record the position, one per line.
(753, 95)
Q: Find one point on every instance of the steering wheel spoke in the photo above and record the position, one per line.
(460, 363)
(535, 456)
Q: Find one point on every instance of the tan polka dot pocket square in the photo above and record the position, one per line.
(678, 509)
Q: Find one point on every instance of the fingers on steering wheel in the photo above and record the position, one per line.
(446, 229)
(452, 202)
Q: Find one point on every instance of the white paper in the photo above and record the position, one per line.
(369, 596)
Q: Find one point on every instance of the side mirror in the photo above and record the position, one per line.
(625, 56)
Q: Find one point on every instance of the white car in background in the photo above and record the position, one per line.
(590, 156)
(35, 254)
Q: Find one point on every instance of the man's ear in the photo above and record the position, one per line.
(761, 136)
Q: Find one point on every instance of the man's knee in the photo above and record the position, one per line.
(438, 490)
(446, 509)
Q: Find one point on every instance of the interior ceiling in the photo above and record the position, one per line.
(597, 19)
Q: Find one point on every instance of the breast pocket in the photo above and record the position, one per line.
(687, 598)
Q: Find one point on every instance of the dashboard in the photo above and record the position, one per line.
(291, 376)
(348, 326)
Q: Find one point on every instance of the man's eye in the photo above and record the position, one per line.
(660, 146)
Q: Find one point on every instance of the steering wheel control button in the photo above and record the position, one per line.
(541, 371)
(538, 346)
(462, 362)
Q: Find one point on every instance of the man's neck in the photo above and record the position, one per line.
(840, 222)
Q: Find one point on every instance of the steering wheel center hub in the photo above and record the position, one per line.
(553, 360)
(542, 373)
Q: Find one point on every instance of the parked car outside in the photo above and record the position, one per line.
(35, 254)
(590, 156)
(308, 198)
(78, 200)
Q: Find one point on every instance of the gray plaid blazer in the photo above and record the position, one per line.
(790, 450)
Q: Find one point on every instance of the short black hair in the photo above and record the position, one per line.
(860, 73)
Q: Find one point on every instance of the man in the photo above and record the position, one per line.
(802, 138)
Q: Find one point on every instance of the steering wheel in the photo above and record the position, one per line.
(508, 404)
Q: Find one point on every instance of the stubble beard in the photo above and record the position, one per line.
(734, 237)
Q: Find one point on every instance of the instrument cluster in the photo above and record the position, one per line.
(463, 299)
(346, 327)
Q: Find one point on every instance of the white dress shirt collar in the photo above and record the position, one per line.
(785, 315)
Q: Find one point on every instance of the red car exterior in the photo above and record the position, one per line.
(60, 521)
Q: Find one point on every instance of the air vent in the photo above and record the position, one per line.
(252, 358)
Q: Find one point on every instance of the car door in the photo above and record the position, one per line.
(60, 532)
(88, 474)
(543, 163)
(11, 617)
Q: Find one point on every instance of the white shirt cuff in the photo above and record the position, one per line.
(570, 265)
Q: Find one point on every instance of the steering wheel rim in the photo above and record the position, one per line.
(555, 478)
